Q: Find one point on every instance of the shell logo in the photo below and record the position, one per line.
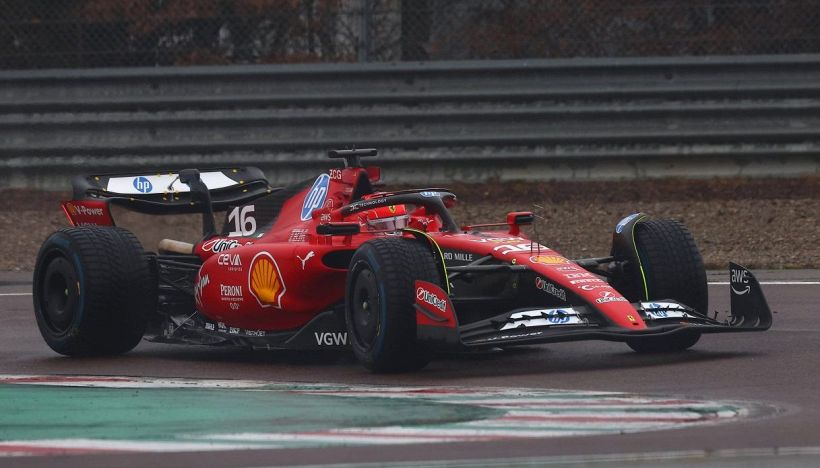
(265, 281)
(71, 209)
(548, 259)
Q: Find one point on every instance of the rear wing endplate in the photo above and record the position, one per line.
(749, 308)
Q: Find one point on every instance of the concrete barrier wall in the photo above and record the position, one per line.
(433, 122)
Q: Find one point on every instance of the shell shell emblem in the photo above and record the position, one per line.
(265, 281)
(548, 259)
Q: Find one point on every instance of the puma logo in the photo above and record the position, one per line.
(309, 255)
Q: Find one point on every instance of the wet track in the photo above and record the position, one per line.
(776, 372)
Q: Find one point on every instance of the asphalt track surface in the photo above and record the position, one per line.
(779, 369)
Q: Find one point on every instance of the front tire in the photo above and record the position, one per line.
(672, 269)
(93, 291)
(379, 303)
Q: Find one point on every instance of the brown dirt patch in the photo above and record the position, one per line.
(761, 223)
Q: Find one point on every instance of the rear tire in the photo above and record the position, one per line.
(379, 303)
(93, 291)
(673, 269)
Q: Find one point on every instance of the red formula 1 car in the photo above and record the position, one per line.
(332, 262)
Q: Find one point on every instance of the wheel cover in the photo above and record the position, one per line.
(58, 296)
(365, 308)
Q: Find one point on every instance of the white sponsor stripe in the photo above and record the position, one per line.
(16, 294)
(160, 183)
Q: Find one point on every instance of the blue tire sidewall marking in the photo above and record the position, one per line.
(60, 241)
(78, 316)
(62, 247)
(378, 345)
(383, 315)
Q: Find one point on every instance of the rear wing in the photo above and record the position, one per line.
(163, 192)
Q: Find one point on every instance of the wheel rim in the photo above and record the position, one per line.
(58, 295)
(365, 309)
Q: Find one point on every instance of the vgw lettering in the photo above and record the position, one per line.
(331, 339)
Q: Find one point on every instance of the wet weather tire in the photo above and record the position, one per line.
(379, 303)
(673, 269)
(93, 291)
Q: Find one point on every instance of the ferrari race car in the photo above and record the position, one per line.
(333, 263)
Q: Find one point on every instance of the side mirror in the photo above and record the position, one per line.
(515, 219)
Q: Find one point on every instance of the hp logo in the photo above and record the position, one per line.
(558, 316)
(143, 185)
(315, 198)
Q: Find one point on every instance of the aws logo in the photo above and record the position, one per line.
(265, 281)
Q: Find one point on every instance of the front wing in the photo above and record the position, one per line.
(749, 312)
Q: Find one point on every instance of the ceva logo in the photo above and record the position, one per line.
(315, 197)
(143, 185)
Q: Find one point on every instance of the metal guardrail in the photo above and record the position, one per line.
(534, 119)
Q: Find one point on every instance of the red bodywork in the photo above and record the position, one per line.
(277, 276)
(280, 279)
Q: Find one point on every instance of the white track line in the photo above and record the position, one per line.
(711, 283)
(94, 445)
(672, 458)
(771, 283)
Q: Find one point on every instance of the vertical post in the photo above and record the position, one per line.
(364, 29)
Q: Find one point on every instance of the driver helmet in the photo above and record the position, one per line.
(387, 218)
